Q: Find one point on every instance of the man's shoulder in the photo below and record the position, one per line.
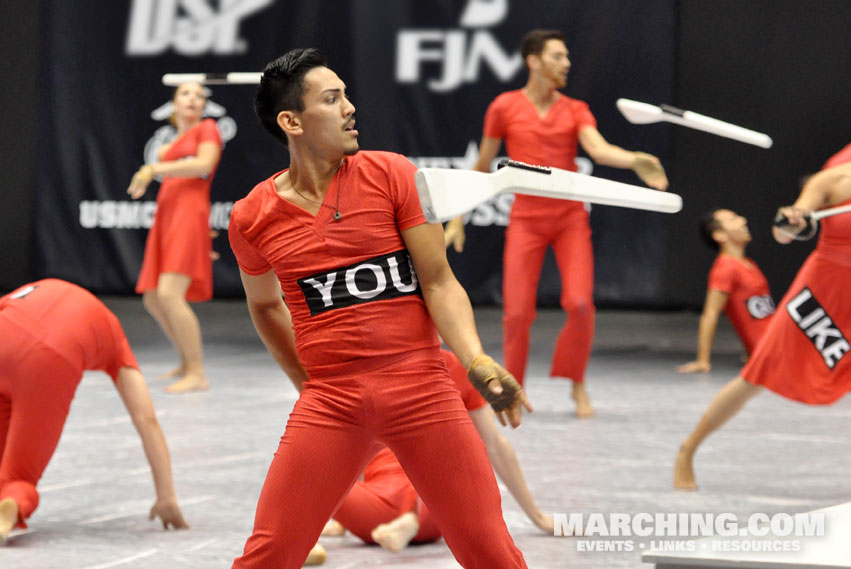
(376, 157)
(379, 160)
(723, 260)
(255, 201)
(508, 97)
(574, 103)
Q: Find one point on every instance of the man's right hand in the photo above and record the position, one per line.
(694, 367)
(500, 389)
(454, 234)
(141, 179)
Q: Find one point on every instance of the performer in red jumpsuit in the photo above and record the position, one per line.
(736, 286)
(803, 354)
(177, 267)
(542, 126)
(52, 331)
(384, 508)
(367, 286)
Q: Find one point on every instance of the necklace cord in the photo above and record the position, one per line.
(337, 213)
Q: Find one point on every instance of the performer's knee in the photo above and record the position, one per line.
(168, 298)
(578, 306)
(151, 303)
(518, 321)
(22, 492)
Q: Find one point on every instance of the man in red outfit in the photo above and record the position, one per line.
(542, 126)
(803, 354)
(384, 508)
(52, 331)
(367, 287)
(736, 286)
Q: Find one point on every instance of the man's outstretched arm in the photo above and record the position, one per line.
(273, 322)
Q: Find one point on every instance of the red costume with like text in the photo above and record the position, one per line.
(804, 353)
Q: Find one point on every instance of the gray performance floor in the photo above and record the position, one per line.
(777, 456)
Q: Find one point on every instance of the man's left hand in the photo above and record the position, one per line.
(650, 170)
(500, 389)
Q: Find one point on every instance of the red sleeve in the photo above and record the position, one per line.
(722, 276)
(471, 398)
(494, 120)
(123, 354)
(209, 132)
(583, 115)
(839, 158)
(409, 212)
(247, 256)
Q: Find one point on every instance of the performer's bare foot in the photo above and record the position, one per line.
(683, 471)
(396, 535)
(584, 410)
(8, 518)
(179, 371)
(333, 529)
(317, 556)
(189, 382)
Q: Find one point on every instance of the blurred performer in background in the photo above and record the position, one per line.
(736, 286)
(177, 267)
(542, 126)
(803, 355)
(52, 331)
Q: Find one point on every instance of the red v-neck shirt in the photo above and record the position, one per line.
(551, 140)
(749, 305)
(378, 200)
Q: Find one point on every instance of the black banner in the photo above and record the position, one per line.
(420, 73)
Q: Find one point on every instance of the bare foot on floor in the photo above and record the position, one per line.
(8, 518)
(189, 382)
(179, 371)
(584, 410)
(317, 556)
(333, 529)
(684, 472)
(396, 535)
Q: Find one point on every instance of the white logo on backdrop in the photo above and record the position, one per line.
(166, 133)
(191, 27)
(460, 52)
(131, 214)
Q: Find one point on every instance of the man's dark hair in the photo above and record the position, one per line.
(533, 42)
(708, 225)
(282, 87)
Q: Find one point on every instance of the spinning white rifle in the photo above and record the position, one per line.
(446, 193)
(643, 113)
(234, 78)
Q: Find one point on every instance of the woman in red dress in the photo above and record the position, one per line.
(177, 267)
(803, 354)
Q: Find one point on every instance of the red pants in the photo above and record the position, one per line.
(413, 408)
(384, 494)
(36, 389)
(526, 242)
